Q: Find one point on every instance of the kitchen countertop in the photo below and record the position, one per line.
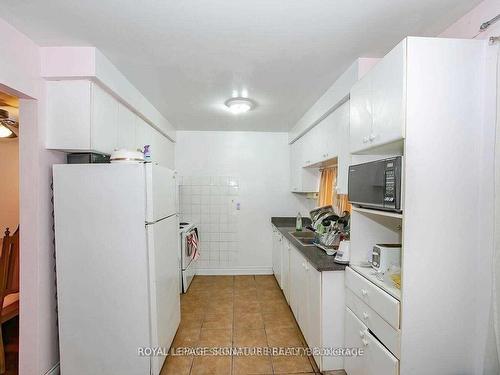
(314, 255)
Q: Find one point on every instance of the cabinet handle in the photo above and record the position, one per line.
(365, 316)
(365, 342)
(372, 137)
(364, 292)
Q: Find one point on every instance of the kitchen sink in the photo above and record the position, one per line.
(304, 238)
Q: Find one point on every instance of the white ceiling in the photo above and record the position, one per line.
(188, 56)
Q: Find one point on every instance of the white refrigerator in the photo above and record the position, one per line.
(117, 266)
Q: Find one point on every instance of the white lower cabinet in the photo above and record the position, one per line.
(317, 302)
(285, 268)
(276, 255)
(375, 359)
(314, 307)
(371, 323)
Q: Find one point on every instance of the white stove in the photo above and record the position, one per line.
(188, 264)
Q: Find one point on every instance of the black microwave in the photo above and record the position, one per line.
(376, 184)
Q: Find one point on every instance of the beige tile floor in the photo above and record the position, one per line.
(237, 311)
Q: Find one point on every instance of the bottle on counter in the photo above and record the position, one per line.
(298, 222)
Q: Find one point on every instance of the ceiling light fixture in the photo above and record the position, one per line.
(5, 132)
(6, 125)
(239, 105)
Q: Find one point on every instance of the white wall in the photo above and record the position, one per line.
(9, 187)
(19, 75)
(260, 163)
(467, 27)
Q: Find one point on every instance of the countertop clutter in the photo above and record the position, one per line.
(314, 255)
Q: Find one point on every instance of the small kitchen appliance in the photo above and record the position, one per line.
(343, 253)
(386, 255)
(377, 184)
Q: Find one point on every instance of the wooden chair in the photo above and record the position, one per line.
(9, 284)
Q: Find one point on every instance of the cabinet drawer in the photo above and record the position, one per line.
(376, 359)
(388, 335)
(380, 301)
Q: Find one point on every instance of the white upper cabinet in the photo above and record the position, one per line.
(302, 180)
(344, 155)
(126, 128)
(83, 117)
(378, 103)
(361, 114)
(330, 135)
(389, 97)
(104, 117)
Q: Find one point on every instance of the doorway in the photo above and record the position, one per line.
(9, 233)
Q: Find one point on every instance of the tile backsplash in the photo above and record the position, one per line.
(211, 202)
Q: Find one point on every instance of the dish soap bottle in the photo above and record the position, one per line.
(298, 223)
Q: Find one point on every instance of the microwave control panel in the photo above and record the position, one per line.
(390, 184)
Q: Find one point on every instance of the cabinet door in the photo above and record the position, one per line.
(141, 133)
(344, 155)
(361, 114)
(126, 128)
(354, 334)
(314, 145)
(302, 179)
(285, 268)
(277, 270)
(376, 359)
(294, 167)
(303, 308)
(389, 97)
(68, 115)
(295, 281)
(314, 309)
(307, 150)
(330, 134)
(275, 245)
(104, 121)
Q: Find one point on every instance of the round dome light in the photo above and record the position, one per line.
(5, 132)
(239, 105)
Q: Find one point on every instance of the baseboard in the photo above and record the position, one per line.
(54, 370)
(235, 271)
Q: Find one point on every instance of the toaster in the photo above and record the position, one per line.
(386, 255)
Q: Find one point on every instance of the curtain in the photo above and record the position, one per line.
(326, 186)
(327, 193)
(342, 204)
